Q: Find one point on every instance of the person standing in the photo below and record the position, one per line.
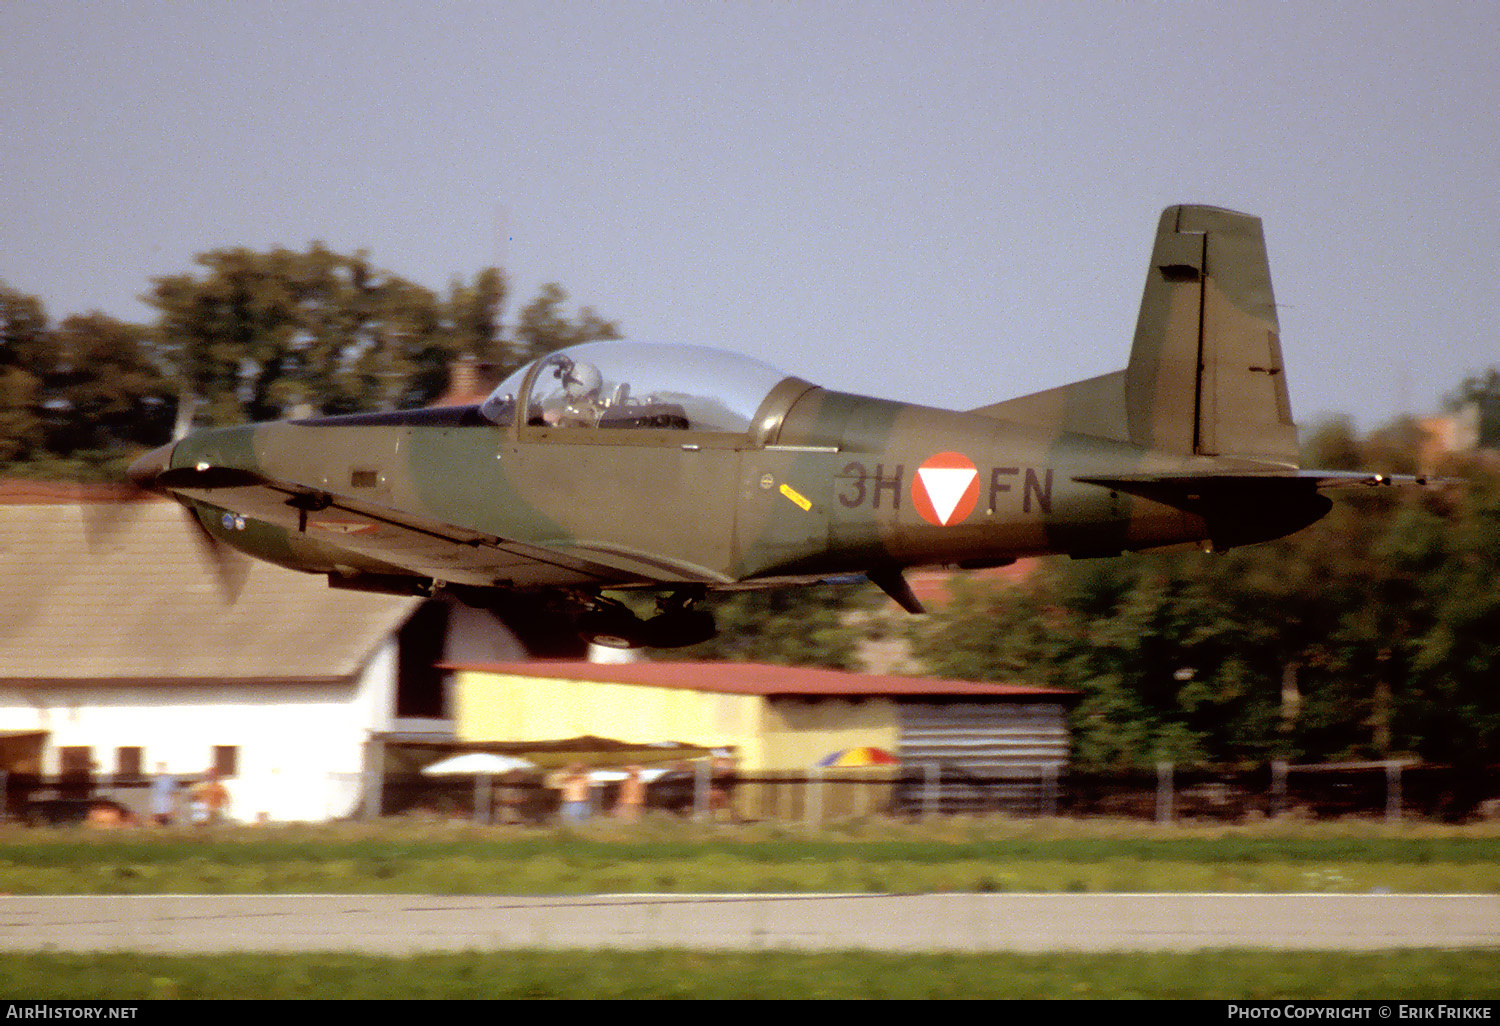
(163, 796)
(721, 787)
(632, 796)
(575, 794)
(210, 799)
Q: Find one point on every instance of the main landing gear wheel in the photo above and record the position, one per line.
(610, 624)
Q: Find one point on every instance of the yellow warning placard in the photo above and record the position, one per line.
(796, 497)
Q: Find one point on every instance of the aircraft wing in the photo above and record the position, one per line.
(397, 538)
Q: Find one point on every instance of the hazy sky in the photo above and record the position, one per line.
(948, 202)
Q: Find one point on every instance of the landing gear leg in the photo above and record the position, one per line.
(676, 623)
(607, 623)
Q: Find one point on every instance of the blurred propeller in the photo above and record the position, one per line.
(106, 514)
(230, 569)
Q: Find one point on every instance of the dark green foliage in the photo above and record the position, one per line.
(23, 328)
(787, 626)
(259, 334)
(253, 336)
(107, 386)
(81, 390)
(542, 327)
(1374, 633)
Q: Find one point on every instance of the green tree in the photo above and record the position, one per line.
(785, 626)
(1366, 635)
(253, 336)
(1450, 710)
(23, 344)
(1332, 444)
(258, 335)
(469, 323)
(106, 387)
(542, 327)
(1483, 390)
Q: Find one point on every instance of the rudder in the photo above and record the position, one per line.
(1205, 374)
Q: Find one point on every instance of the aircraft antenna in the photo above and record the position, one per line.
(502, 258)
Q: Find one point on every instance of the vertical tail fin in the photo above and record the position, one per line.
(1205, 374)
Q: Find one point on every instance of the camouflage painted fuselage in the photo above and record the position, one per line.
(834, 484)
(1192, 442)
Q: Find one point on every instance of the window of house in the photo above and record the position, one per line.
(76, 771)
(226, 760)
(128, 762)
(75, 760)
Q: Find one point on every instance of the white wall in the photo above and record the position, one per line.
(300, 745)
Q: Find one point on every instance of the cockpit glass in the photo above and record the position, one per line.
(499, 407)
(608, 385)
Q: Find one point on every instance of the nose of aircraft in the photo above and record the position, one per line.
(144, 471)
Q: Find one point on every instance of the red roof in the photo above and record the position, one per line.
(757, 679)
(20, 491)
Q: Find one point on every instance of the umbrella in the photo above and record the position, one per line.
(478, 763)
(611, 776)
(859, 757)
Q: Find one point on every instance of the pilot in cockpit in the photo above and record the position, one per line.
(577, 403)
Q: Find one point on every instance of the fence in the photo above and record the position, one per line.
(1388, 790)
(67, 800)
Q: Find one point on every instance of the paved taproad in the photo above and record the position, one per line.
(403, 924)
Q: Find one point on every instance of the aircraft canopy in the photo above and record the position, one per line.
(635, 385)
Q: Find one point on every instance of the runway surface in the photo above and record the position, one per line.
(405, 924)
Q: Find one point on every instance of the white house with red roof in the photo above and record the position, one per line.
(126, 644)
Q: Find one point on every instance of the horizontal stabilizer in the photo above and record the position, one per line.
(1241, 507)
(1316, 478)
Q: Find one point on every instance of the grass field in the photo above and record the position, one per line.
(671, 855)
(1244, 975)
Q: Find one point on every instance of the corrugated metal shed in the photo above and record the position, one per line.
(984, 757)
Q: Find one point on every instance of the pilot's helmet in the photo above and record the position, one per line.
(583, 381)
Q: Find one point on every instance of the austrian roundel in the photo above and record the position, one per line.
(945, 488)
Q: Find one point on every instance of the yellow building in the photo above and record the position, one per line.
(774, 717)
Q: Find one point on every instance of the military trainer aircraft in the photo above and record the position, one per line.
(682, 469)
